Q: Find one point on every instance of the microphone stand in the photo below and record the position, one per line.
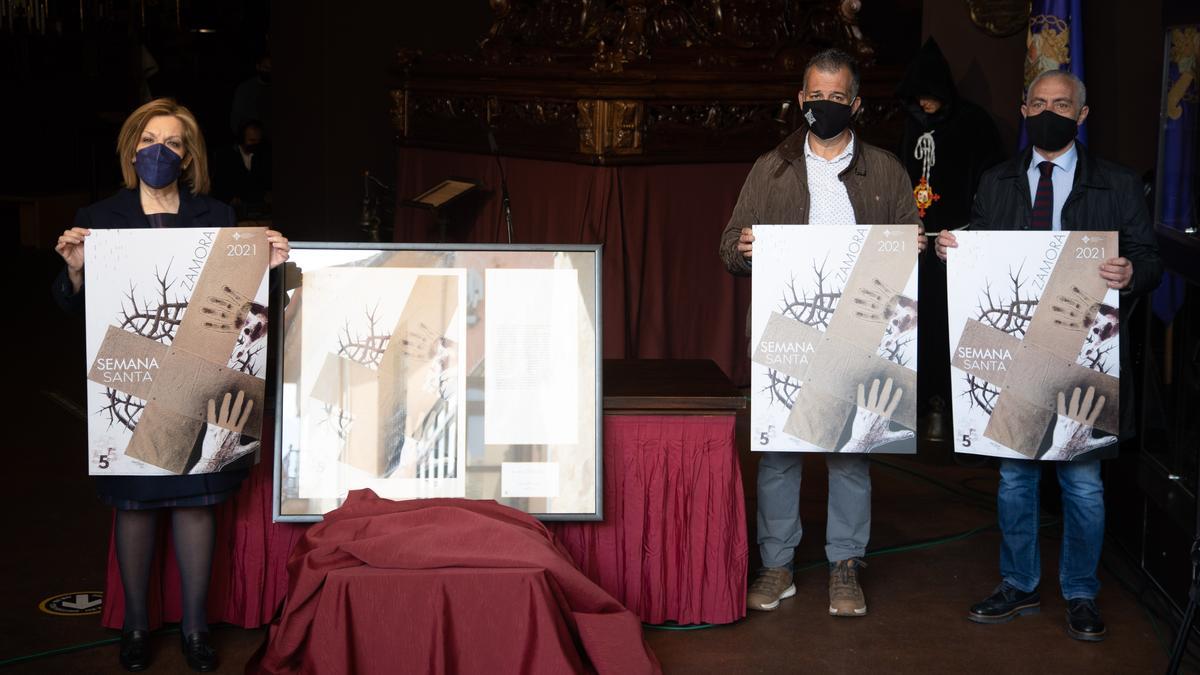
(370, 220)
(505, 202)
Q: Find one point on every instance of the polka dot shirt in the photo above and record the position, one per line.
(829, 204)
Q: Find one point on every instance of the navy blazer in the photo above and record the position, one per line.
(124, 211)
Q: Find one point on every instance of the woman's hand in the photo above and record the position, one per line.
(70, 247)
(279, 248)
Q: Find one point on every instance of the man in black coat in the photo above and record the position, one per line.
(948, 143)
(1057, 184)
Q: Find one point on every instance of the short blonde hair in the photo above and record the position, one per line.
(196, 171)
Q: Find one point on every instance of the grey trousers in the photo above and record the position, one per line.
(848, 524)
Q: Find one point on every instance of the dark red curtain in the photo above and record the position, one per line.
(666, 293)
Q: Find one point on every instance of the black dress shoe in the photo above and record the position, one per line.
(1005, 604)
(200, 656)
(1083, 620)
(135, 652)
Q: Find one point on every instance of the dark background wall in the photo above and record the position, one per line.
(331, 82)
(332, 64)
(66, 93)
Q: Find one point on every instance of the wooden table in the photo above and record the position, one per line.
(675, 387)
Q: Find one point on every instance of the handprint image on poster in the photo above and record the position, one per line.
(1034, 345)
(176, 349)
(834, 338)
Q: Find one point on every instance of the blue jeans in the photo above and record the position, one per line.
(1083, 525)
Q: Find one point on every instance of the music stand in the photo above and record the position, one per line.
(441, 196)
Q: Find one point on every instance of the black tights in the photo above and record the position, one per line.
(193, 529)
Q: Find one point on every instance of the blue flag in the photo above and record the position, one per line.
(1054, 42)
(1176, 206)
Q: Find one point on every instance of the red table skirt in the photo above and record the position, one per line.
(249, 576)
(672, 546)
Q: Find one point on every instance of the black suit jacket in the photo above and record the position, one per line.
(1104, 196)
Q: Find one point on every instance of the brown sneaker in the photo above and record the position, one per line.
(772, 585)
(845, 595)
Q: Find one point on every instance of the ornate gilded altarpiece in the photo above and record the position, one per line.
(635, 81)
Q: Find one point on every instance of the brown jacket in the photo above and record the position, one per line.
(776, 193)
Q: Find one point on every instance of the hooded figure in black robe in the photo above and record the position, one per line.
(948, 143)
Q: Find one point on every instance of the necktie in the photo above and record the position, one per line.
(1043, 201)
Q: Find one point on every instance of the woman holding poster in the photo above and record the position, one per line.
(159, 147)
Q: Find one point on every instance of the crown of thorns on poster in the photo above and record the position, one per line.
(367, 347)
(816, 309)
(1010, 309)
(158, 317)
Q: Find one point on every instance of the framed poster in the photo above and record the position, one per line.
(425, 371)
(176, 349)
(834, 338)
(1034, 345)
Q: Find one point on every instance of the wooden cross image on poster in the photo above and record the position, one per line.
(1034, 335)
(381, 382)
(169, 366)
(834, 331)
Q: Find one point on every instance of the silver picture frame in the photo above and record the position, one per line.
(384, 378)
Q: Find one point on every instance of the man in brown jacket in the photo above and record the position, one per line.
(823, 174)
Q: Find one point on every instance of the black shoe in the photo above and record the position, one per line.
(200, 656)
(1083, 620)
(1005, 604)
(135, 652)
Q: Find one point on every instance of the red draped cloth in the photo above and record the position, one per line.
(672, 546)
(249, 577)
(444, 585)
(666, 293)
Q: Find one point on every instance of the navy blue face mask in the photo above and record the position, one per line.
(157, 165)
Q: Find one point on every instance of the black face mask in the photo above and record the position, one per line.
(826, 119)
(1049, 131)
